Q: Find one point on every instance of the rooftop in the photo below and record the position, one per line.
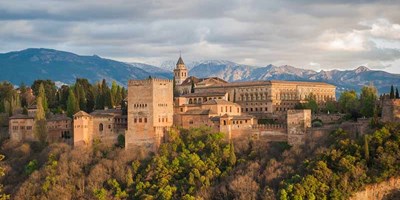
(218, 101)
(270, 82)
(198, 112)
(81, 113)
(205, 94)
(58, 117)
(21, 116)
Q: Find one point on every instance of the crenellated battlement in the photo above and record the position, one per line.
(269, 126)
(148, 81)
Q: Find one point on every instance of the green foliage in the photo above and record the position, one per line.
(31, 167)
(40, 122)
(397, 94)
(3, 196)
(72, 104)
(347, 166)
(348, 102)
(51, 178)
(116, 188)
(331, 107)
(121, 141)
(9, 98)
(100, 194)
(391, 95)
(188, 162)
(311, 103)
(368, 98)
(47, 90)
(192, 87)
(317, 124)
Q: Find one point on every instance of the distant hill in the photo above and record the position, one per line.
(64, 67)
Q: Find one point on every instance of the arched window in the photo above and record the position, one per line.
(101, 127)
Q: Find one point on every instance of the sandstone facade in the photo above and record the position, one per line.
(391, 110)
(150, 112)
(101, 125)
(21, 128)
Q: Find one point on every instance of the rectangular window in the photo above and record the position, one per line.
(145, 120)
(134, 120)
(140, 120)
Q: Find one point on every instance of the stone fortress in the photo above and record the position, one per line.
(230, 108)
(156, 105)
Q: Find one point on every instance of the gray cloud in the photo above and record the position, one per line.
(311, 34)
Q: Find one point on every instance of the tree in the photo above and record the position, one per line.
(192, 87)
(232, 156)
(80, 96)
(311, 103)
(121, 140)
(331, 107)
(114, 93)
(348, 103)
(40, 122)
(6, 94)
(397, 94)
(391, 92)
(42, 95)
(3, 196)
(50, 92)
(368, 98)
(72, 104)
(366, 148)
(63, 96)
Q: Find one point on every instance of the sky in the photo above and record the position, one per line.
(319, 35)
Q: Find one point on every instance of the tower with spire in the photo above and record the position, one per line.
(180, 72)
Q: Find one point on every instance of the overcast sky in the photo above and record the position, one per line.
(325, 34)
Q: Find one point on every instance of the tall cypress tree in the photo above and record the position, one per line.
(80, 96)
(42, 95)
(114, 93)
(192, 87)
(40, 122)
(397, 94)
(72, 104)
(392, 92)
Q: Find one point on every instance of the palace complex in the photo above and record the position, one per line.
(157, 105)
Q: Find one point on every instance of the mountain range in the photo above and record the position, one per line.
(64, 67)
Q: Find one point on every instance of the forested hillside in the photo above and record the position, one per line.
(198, 163)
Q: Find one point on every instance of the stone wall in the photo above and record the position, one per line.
(391, 110)
(298, 122)
(328, 118)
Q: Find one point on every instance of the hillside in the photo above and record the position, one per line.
(31, 64)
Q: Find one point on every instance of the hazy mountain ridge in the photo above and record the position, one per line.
(63, 67)
(344, 80)
(31, 64)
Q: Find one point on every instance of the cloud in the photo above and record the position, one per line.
(305, 33)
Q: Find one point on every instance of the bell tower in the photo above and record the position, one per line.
(180, 72)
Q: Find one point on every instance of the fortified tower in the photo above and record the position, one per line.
(83, 129)
(180, 72)
(150, 112)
